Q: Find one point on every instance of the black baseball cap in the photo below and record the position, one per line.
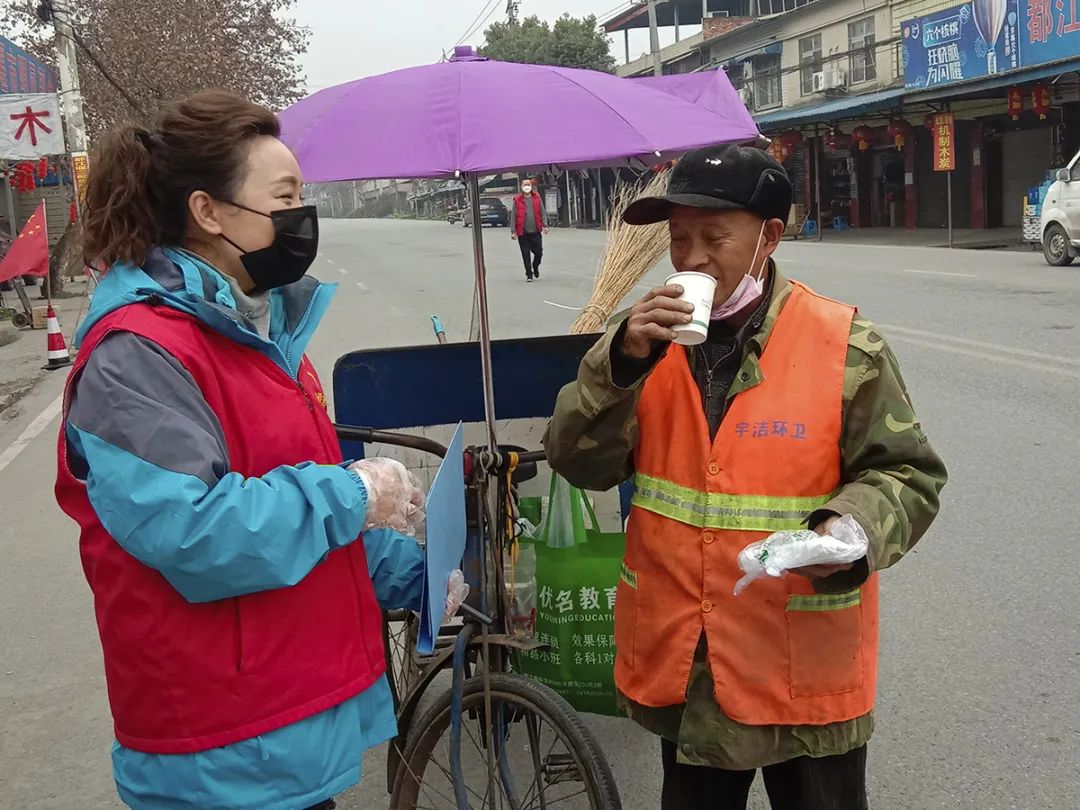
(721, 178)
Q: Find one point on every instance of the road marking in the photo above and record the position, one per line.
(941, 273)
(363, 287)
(33, 430)
(342, 270)
(1013, 361)
(564, 306)
(979, 344)
(329, 261)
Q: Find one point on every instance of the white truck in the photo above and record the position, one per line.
(1060, 219)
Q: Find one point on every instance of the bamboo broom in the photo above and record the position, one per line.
(630, 253)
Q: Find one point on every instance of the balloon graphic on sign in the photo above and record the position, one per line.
(989, 20)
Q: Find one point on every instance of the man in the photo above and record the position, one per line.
(792, 412)
(529, 228)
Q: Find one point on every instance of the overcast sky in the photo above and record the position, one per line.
(354, 38)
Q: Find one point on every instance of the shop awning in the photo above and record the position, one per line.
(980, 86)
(835, 109)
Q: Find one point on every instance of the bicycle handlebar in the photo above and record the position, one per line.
(425, 445)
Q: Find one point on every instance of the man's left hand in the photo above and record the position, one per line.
(822, 571)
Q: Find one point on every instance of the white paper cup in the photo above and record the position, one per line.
(698, 289)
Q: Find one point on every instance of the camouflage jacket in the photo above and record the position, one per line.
(891, 479)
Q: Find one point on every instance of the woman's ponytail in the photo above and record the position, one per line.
(118, 218)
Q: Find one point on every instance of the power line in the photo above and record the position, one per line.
(483, 22)
(488, 7)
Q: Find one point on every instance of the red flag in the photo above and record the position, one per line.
(29, 253)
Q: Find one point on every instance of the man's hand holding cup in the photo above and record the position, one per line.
(651, 321)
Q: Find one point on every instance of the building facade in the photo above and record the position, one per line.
(848, 90)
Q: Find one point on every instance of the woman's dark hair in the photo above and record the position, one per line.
(141, 179)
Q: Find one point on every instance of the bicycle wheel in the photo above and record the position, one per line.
(545, 756)
(400, 628)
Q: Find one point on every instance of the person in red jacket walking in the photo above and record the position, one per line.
(529, 228)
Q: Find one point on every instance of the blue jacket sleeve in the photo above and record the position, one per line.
(396, 566)
(155, 463)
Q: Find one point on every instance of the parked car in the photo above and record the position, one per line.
(492, 212)
(1060, 221)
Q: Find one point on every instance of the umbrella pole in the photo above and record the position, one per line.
(481, 304)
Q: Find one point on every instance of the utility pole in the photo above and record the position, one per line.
(654, 40)
(57, 12)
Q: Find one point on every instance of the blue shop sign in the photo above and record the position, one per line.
(977, 39)
(1051, 31)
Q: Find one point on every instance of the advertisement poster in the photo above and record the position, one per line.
(987, 37)
(977, 39)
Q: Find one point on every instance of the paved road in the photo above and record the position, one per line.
(980, 646)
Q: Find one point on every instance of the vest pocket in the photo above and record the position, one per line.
(825, 643)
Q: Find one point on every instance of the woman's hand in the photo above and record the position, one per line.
(456, 593)
(395, 500)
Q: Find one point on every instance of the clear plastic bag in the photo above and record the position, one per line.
(519, 571)
(778, 553)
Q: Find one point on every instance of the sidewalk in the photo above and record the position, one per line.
(972, 239)
(21, 361)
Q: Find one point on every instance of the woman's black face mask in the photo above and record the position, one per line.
(289, 256)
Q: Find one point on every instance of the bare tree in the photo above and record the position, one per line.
(135, 55)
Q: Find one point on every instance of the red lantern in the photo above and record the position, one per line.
(73, 213)
(42, 168)
(863, 136)
(837, 141)
(789, 141)
(1015, 102)
(23, 178)
(1040, 100)
(899, 131)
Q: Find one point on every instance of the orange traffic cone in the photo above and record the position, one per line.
(57, 348)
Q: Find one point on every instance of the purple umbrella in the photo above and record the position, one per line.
(473, 116)
(710, 89)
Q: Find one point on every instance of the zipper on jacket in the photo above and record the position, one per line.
(307, 396)
(300, 328)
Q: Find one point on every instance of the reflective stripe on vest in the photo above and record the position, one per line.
(715, 510)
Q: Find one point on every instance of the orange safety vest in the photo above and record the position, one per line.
(780, 653)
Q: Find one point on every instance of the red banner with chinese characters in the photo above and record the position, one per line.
(944, 128)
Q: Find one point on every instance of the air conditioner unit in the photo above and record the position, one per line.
(834, 79)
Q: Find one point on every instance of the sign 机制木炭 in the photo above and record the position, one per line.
(943, 128)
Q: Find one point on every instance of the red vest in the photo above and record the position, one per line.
(519, 213)
(780, 654)
(188, 677)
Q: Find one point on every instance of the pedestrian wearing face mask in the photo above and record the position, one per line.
(238, 565)
(792, 412)
(529, 228)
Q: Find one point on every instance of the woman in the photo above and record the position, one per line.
(239, 623)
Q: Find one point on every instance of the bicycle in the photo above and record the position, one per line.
(495, 737)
